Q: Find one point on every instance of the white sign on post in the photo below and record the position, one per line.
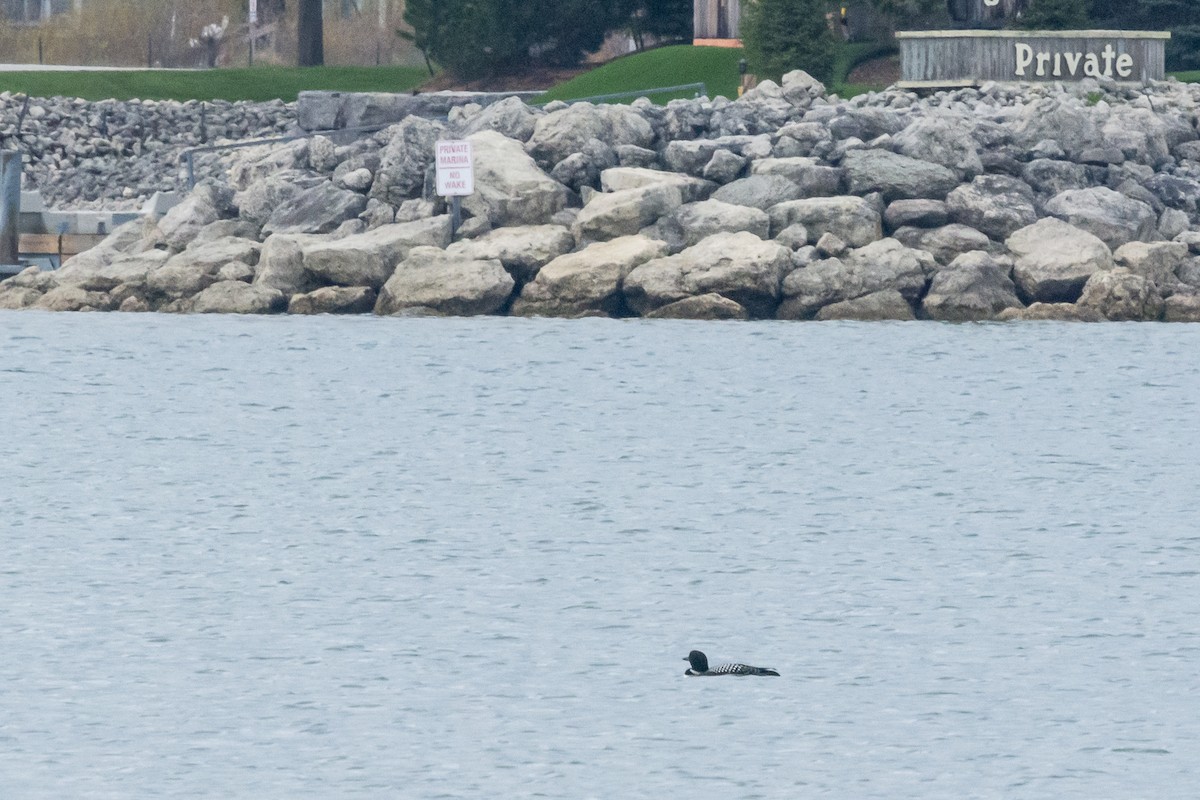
(253, 12)
(455, 171)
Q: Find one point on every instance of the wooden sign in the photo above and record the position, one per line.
(943, 59)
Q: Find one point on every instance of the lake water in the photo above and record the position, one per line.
(297, 557)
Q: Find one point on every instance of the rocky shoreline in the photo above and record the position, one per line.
(998, 203)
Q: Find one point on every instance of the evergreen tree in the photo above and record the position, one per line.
(1056, 15)
(477, 38)
(783, 35)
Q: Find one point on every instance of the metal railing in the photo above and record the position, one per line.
(188, 156)
(697, 89)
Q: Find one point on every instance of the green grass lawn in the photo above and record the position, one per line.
(716, 67)
(256, 83)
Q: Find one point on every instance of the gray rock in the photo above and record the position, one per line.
(814, 180)
(710, 306)
(620, 178)
(405, 160)
(975, 286)
(523, 250)
(432, 280)
(941, 140)
(1055, 259)
(73, 298)
(1051, 312)
(880, 265)
(996, 205)
(560, 133)
(368, 259)
(759, 191)
(510, 117)
(916, 213)
(1182, 308)
(281, 264)
(611, 215)
(1114, 218)
(739, 266)
(236, 297)
(588, 281)
(698, 221)
(896, 176)
(724, 166)
(334, 300)
(1155, 261)
(510, 189)
(320, 209)
(1048, 177)
(1118, 294)
(854, 219)
(887, 304)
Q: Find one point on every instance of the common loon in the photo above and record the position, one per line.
(699, 663)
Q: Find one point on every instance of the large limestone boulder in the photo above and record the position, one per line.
(945, 243)
(320, 209)
(997, 205)
(976, 286)
(511, 117)
(252, 165)
(609, 215)
(1051, 312)
(896, 176)
(1071, 125)
(880, 265)
(522, 249)
(886, 304)
(1118, 294)
(196, 268)
(943, 139)
(1156, 261)
(710, 306)
(814, 180)
(1182, 307)
(13, 297)
(588, 281)
(103, 276)
(430, 280)
(406, 158)
(1048, 177)
(184, 220)
(130, 238)
(561, 133)
(281, 263)
(1109, 215)
(739, 266)
(695, 222)
(236, 297)
(74, 298)
(510, 189)
(692, 189)
(854, 220)
(1055, 259)
(367, 259)
(759, 191)
(334, 300)
(258, 201)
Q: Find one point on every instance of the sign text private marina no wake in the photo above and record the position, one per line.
(965, 58)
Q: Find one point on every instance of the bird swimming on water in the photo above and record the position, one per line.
(699, 663)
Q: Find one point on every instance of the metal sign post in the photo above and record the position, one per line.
(455, 176)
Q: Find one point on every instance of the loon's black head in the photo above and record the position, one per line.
(698, 660)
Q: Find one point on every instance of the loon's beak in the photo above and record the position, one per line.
(685, 658)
